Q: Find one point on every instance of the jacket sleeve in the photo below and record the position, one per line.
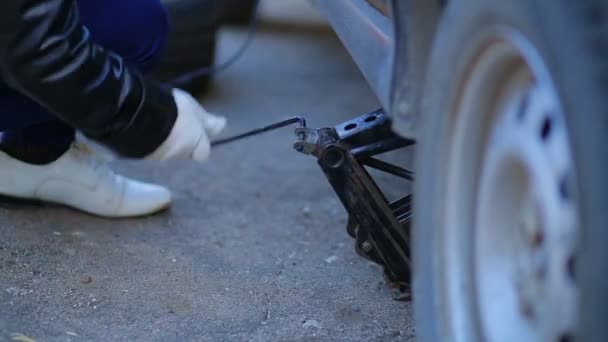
(47, 54)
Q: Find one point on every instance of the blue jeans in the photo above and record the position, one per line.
(135, 29)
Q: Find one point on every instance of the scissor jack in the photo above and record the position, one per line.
(381, 229)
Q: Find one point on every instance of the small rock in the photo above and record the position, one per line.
(87, 279)
(173, 260)
(93, 303)
(18, 292)
(331, 259)
(306, 211)
(311, 323)
(337, 245)
(21, 338)
(57, 233)
(71, 333)
(401, 296)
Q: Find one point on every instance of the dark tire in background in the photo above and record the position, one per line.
(192, 40)
(238, 11)
(511, 190)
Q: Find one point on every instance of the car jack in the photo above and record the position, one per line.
(381, 229)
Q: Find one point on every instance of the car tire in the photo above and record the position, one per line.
(511, 193)
(191, 42)
(238, 12)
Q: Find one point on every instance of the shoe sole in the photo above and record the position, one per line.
(28, 202)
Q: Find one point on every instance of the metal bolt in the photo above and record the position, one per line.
(537, 239)
(526, 309)
(367, 247)
(571, 267)
(531, 226)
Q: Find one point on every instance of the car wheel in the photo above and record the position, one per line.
(191, 42)
(239, 11)
(511, 193)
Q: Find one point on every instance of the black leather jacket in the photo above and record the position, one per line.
(47, 54)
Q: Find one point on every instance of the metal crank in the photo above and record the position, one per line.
(381, 229)
(296, 119)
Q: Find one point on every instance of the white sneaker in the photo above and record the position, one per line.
(81, 180)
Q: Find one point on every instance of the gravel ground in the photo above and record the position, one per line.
(253, 249)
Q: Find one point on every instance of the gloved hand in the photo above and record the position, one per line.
(192, 131)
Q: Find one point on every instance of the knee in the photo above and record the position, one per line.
(135, 29)
(151, 36)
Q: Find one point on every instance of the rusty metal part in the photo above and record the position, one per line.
(296, 119)
(380, 228)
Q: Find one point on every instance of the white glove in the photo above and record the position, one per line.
(192, 131)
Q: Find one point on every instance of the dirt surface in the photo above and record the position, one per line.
(253, 249)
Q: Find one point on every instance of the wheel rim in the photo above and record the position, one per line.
(510, 223)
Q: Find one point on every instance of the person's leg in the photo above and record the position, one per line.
(29, 132)
(71, 174)
(134, 29)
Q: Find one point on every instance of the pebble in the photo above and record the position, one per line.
(311, 323)
(15, 291)
(331, 259)
(87, 279)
